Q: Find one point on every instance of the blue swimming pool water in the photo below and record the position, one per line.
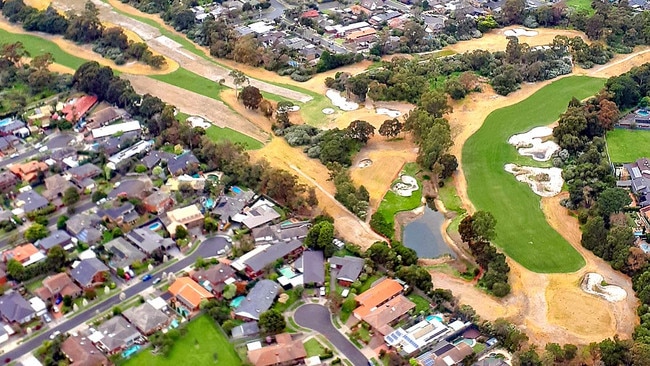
(173, 324)
(5, 121)
(130, 351)
(236, 302)
(432, 317)
(155, 226)
(469, 342)
(643, 112)
(208, 203)
(236, 189)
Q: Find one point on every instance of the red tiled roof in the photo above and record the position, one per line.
(310, 14)
(377, 295)
(76, 110)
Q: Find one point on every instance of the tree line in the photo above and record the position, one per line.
(83, 28)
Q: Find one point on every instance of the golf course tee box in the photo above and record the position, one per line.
(522, 231)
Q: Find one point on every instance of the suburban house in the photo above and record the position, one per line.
(7, 181)
(155, 157)
(382, 305)
(30, 201)
(346, 269)
(89, 273)
(140, 147)
(60, 156)
(81, 352)
(113, 144)
(78, 107)
(182, 164)
(79, 175)
(446, 354)
(29, 171)
(103, 116)
(254, 262)
(259, 299)
(187, 296)
(58, 285)
(110, 130)
(639, 173)
(146, 318)
(132, 188)
(248, 329)
(15, 309)
(114, 335)
(15, 127)
(230, 205)
(215, 278)
(158, 202)
(281, 232)
(8, 145)
(149, 241)
(188, 217)
(26, 254)
(55, 186)
(312, 266)
(124, 254)
(57, 238)
(261, 213)
(83, 226)
(125, 214)
(286, 351)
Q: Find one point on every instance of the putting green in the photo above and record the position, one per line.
(522, 230)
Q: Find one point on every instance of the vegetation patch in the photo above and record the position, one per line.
(315, 348)
(393, 203)
(188, 80)
(521, 230)
(38, 46)
(217, 134)
(626, 146)
(421, 304)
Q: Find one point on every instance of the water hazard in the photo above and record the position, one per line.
(424, 236)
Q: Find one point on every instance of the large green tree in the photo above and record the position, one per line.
(36, 232)
(272, 322)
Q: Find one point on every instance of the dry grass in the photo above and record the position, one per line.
(38, 4)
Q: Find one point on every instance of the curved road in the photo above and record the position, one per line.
(208, 248)
(318, 318)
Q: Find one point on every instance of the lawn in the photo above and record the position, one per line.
(581, 5)
(522, 230)
(421, 304)
(188, 80)
(626, 146)
(38, 46)
(314, 348)
(217, 133)
(198, 347)
(392, 203)
(449, 197)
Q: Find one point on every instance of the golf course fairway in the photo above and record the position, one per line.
(522, 230)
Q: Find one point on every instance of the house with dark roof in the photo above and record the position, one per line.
(347, 269)
(148, 240)
(158, 202)
(123, 254)
(15, 309)
(639, 173)
(103, 116)
(254, 262)
(120, 215)
(115, 334)
(232, 204)
(58, 285)
(12, 128)
(259, 299)
(281, 232)
(83, 226)
(82, 172)
(132, 188)
(8, 145)
(57, 238)
(55, 187)
(146, 318)
(215, 278)
(89, 273)
(182, 164)
(7, 181)
(155, 157)
(113, 144)
(312, 266)
(286, 351)
(59, 155)
(445, 354)
(80, 351)
(247, 329)
(30, 201)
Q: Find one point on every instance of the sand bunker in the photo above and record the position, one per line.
(531, 144)
(592, 283)
(196, 121)
(365, 163)
(517, 32)
(388, 112)
(328, 111)
(546, 182)
(406, 186)
(340, 101)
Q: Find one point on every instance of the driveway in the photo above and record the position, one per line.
(318, 318)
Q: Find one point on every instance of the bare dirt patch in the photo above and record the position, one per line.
(368, 113)
(38, 4)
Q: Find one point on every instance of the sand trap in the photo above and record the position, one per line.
(530, 143)
(365, 163)
(592, 284)
(406, 186)
(328, 111)
(546, 182)
(340, 101)
(388, 112)
(517, 32)
(196, 121)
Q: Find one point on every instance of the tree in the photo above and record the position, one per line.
(613, 200)
(70, 196)
(15, 269)
(360, 130)
(61, 222)
(320, 237)
(449, 165)
(416, 276)
(239, 78)
(229, 291)
(266, 108)
(14, 53)
(36, 232)
(210, 224)
(513, 11)
(435, 103)
(272, 322)
(181, 232)
(391, 128)
(251, 97)
(483, 224)
(358, 85)
(381, 226)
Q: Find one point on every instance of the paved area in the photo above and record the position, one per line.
(318, 318)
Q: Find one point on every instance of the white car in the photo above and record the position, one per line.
(322, 291)
(43, 149)
(345, 292)
(38, 146)
(14, 155)
(55, 334)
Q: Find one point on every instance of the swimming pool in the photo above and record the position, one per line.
(155, 226)
(208, 203)
(643, 112)
(236, 302)
(6, 121)
(130, 351)
(287, 272)
(173, 324)
(236, 190)
(434, 317)
(469, 342)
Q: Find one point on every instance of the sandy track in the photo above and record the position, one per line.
(196, 104)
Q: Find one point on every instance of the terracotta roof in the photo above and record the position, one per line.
(20, 253)
(377, 295)
(189, 290)
(310, 14)
(81, 352)
(382, 316)
(360, 33)
(280, 353)
(28, 171)
(61, 283)
(76, 110)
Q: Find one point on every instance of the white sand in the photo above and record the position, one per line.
(388, 112)
(531, 175)
(340, 101)
(517, 32)
(530, 143)
(406, 187)
(328, 111)
(591, 284)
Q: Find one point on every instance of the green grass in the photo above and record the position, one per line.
(581, 5)
(293, 297)
(479, 347)
(38, 46)
(217, 133)
(392, 203)
(188, 80)
(421, 304)
(366, 285)
(449, 197)
(520, 220)
(626, 146)
(197, 347)
(314, 348)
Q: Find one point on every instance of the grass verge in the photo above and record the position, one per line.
(314, 348)
(522, 230)
(626, 146)
(393, 203)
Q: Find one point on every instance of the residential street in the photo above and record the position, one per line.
(319, 318)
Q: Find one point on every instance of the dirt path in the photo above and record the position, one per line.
(196, 104)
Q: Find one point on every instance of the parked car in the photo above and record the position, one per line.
(146, 277)
(46, 318)
(55, 334)
(345, 292)
(14, 155)
(322, 291)
(156, 281)
(38, 146)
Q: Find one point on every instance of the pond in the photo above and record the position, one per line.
(424, 236)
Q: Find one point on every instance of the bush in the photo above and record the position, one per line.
(299, 77)
(500, 289)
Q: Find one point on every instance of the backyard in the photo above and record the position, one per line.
(393, 203)
(626, 146)
(522, 230)
(203, 341)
